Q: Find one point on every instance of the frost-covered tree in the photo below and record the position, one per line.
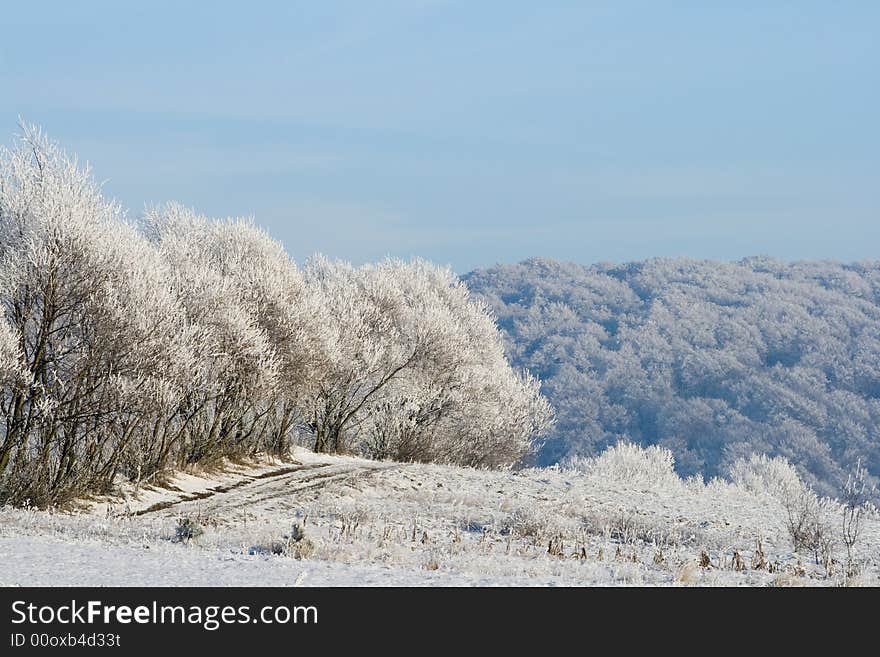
(416, 369)
(91, 332)
(855, 505)
(258, 338)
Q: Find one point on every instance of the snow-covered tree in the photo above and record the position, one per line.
(99, 342)
(259, 338)
(416, 369)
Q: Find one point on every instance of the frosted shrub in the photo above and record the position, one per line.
(298, 545)
(760, 474)
(186, 530)
(528, 522)
(629, 464)
(778, 478)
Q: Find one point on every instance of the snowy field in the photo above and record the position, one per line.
(325, 520)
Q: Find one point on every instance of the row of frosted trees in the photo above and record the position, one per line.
(130, 348)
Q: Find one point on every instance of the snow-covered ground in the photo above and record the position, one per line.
(382, 523)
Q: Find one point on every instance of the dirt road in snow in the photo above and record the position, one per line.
(249, 496)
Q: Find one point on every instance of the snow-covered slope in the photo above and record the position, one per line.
(383, 523)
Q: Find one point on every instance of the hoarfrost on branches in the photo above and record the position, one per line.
(130, 348)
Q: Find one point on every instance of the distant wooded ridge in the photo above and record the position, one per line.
(714, 360)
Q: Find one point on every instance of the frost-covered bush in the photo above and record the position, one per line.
(762, 475)
(297, 544)
(649, 467)
(186, 530)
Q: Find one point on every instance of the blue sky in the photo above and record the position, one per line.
(474, 132)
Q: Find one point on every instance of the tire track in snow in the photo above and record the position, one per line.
(254, 490)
